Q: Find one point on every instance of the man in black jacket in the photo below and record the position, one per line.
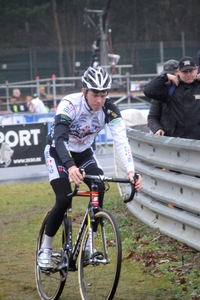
(159, 115)
(184, 102)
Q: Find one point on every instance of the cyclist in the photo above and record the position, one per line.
(78, 120)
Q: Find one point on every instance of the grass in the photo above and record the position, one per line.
(154, 266)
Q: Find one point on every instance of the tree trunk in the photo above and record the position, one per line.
(60, 45)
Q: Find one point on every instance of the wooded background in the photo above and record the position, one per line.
(26, 23)
(41, 37)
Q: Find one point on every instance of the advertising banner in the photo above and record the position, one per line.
(23, 144)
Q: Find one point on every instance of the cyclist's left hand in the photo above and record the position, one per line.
(138, 184)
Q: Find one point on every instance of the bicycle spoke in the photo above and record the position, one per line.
(99, 277)
(50, 284)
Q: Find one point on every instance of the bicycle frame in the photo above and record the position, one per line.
(89, 253)
(71, 249)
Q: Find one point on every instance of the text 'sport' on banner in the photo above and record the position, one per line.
(23, 144)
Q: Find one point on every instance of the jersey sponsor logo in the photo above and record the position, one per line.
(75, 127)
(83, 119)
(50, 169)
(69, 108)
(197, 96)
(62, 169)
(49, 161)
(112, 113)
(82, 139)
(80, 135)
(65, 118)
(82, 131)
(115, 121)
(46, 154)
(128, 154)
(95, 121)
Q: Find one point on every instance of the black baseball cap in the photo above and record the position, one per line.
(186, 63)
(170, 66)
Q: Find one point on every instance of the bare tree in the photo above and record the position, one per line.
(60, 44)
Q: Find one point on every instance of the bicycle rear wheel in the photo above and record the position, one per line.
(98, 278)
(50, 285)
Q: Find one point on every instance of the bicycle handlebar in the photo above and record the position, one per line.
(102, 178)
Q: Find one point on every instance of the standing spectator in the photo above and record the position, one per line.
(198, 57)
(184, 102)
(36, 105)
(16, 94)
(42, 94)
(16, 103)
(159, 114)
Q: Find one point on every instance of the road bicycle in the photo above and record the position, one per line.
(96, 253)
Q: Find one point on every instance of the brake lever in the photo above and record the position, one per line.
(133, 190)
(136, 177)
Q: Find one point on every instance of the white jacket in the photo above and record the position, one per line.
(76, 126)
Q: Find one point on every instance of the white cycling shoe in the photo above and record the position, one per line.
(44, 259)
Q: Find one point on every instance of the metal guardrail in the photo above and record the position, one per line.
(169, 199)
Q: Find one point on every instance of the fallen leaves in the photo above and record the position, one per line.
(168, 256)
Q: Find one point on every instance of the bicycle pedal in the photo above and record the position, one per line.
(98, 255)
(62, 266)
(56, 255)
(46, 270)
(63, 262)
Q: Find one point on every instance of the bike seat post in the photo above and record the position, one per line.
(94, 197)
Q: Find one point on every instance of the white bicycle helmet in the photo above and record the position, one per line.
(96, 79)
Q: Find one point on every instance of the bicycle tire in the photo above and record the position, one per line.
(98, 280)
(49, 285)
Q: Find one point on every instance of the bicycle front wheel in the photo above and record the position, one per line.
(99, 276)
(49, 284)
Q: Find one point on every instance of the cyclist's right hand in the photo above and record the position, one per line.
(75, 175)
(138, 183)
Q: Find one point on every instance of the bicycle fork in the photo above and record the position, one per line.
(97, 256)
